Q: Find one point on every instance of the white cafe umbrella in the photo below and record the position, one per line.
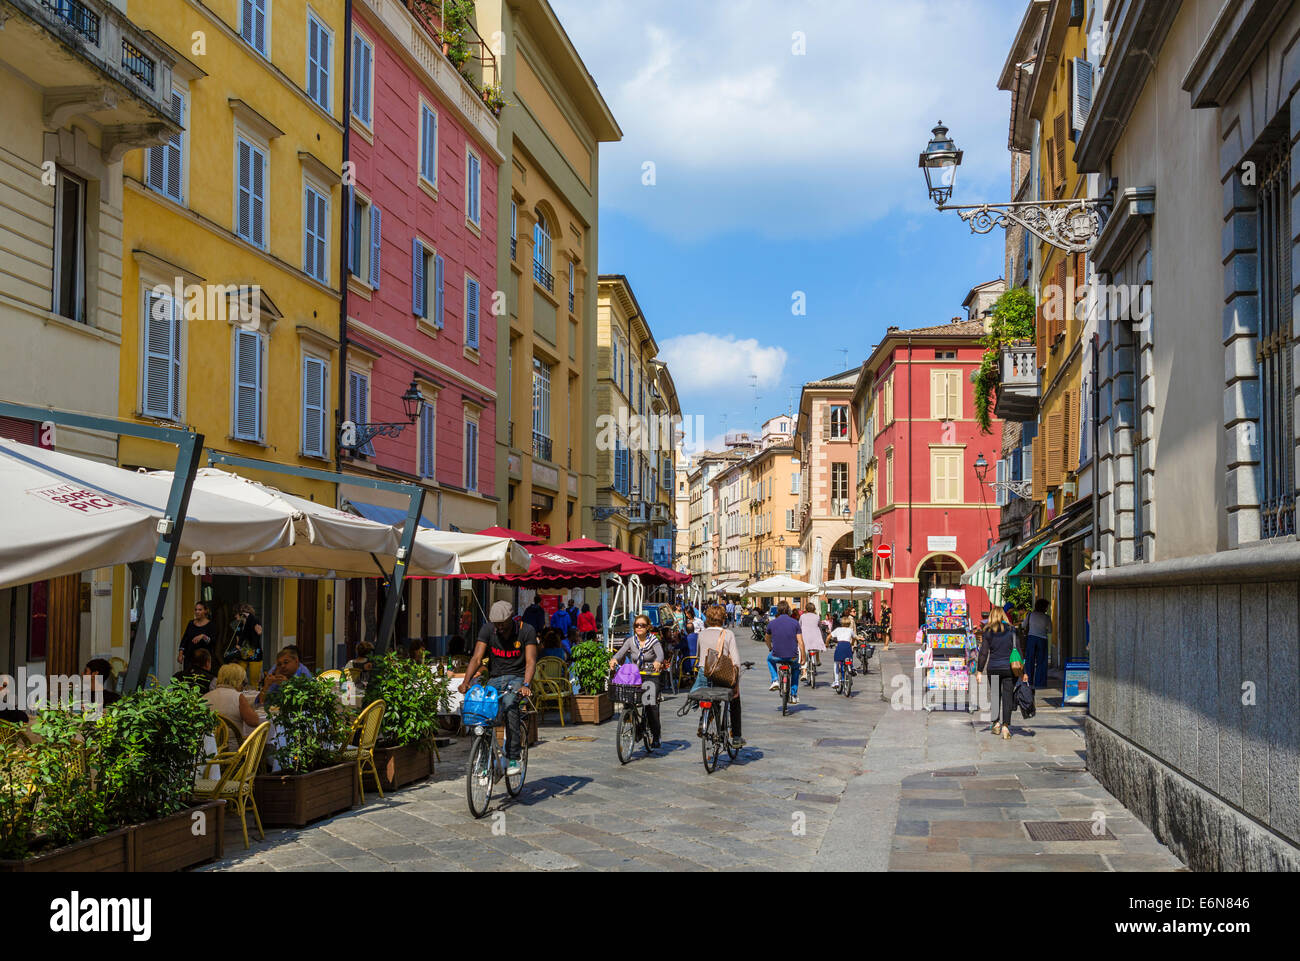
(478, 553)
(64, 514)
(329, 543)
(847, 586)
(781, 585)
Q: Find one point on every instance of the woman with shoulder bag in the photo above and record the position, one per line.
(998, 655)
(718, 652)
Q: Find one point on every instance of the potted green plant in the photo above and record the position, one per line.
(1013, 321)
(313, 728)
(114, 788)
(414, 696)
(592, 704)
(494, 98)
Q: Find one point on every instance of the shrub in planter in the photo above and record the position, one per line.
(590, 663)
(312, 721)
(413, 697)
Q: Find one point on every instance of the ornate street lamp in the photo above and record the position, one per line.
(1072, 225)
(357, 437)
(981, 468)
(1018, 488)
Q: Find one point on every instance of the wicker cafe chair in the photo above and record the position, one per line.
(551, 686)
(335, 676)
(235, 783)
(686, 668)
(366, 730)
(19, 774)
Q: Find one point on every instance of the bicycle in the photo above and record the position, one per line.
(846, 678)
(783, 680)
(865, 652)
(715, 725)
(632, 726)
(487, 763)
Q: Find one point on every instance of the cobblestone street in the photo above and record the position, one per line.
(838, 785)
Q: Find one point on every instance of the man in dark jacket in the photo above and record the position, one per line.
(535, 614)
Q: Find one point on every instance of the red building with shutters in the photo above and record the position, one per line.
(420, 223)
(932, 509)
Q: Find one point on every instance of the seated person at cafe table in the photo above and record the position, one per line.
(287, 665)
(97, 673)
(552, 645)
(200, 672)
(226, 698)
(511, 649)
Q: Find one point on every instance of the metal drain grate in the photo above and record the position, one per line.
(817, 798)
(840, 742)
(1066, 831)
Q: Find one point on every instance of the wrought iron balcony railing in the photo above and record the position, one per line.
(82, 19)
(543, 276)
(541, 446)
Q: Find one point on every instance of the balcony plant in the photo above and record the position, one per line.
(414, 696)
(1013, 320)
(590, 664)
(313, 728)
(494, 98)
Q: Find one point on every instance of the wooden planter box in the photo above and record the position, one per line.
(170, 844)
(295, 800)
(167, 844)
(109, 852)
(593, 708)
(400, 766)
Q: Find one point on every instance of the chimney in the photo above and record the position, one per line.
(956, 320)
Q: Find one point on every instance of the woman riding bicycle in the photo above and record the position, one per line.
(843, 637)
(645, 646)
(718, 638)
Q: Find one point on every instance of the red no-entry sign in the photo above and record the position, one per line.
(884, 552)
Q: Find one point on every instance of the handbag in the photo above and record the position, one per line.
(719, 668)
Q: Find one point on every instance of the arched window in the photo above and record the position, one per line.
(542, 253)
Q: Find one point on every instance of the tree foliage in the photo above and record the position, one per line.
(1013, 320)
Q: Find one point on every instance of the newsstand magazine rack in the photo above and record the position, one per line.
(948, 637)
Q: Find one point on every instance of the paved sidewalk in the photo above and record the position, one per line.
(958, 797)
(838, 785)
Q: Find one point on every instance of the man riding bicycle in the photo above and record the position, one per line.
(786, 646)
(513, 658)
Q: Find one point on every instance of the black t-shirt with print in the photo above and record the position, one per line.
(506, 655)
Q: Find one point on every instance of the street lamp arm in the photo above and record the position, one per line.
(1070, 225)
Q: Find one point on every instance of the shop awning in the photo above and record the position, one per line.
(987, 574)
(1027, 558)
(392, 516)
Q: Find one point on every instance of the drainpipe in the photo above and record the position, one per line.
(910, 420)
(343, 235)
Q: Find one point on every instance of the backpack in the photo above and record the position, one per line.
(1023, 696)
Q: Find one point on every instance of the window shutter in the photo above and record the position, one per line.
(427, 428)
(428, 144)
(1039, 466)
(418, 279)
(471, 313)
(358, 390)
(173, 151)
(1058, 323)
(162, 365)
(1080, 95)
(954, 395)
(243, 227)
(439, 294)
(156, 171)
(1072, 431)
(1055, 453)
(313, 406)
(1040, 334)
(313, 59)
(826, 424)
(938, 395)
(363, 88)
(1002, 495)
(257, 195)
(1058, 128)
(248, 384)
(376, 237)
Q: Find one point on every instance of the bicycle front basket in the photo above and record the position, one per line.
(625, 693)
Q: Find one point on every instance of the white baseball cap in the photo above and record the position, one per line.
(501, 611)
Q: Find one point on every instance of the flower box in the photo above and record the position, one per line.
(165, 844)
(400, 766)
(295, 800)
(593, 708)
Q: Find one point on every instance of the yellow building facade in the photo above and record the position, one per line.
(230, 286)
(774, 506)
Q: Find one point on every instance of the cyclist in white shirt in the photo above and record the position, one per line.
(843, 637)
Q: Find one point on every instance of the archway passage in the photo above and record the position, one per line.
(942, 570)
(841, 556)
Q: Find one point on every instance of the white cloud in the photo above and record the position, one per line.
(746, 136)
(708, 363)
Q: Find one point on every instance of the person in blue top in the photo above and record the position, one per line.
(535, 615)
(560, 621)
(287, 665)
(786, 646)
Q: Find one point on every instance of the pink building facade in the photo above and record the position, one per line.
(422, 272)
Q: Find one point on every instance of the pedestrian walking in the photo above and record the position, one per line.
(814, 643)
(587, 623)
(1038, 628)
(997, 647)
(731, 613)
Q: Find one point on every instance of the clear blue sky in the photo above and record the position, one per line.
(779, 172)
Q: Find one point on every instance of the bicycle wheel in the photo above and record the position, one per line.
(785, 694)
(812, 675)
(848, 682)
(478, 776)
(726, 733)
(709, 743)
(515, 782)
(627, 732)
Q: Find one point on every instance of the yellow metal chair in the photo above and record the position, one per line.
(551, 686)
(335, 676)
(366, 730)
(236, 772)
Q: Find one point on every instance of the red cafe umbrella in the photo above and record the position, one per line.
(553, 567)
(519, 536)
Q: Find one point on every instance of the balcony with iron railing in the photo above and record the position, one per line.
(1017, 394)
(514, 249)
(541, 446)
(92, 60)
(543, 276)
